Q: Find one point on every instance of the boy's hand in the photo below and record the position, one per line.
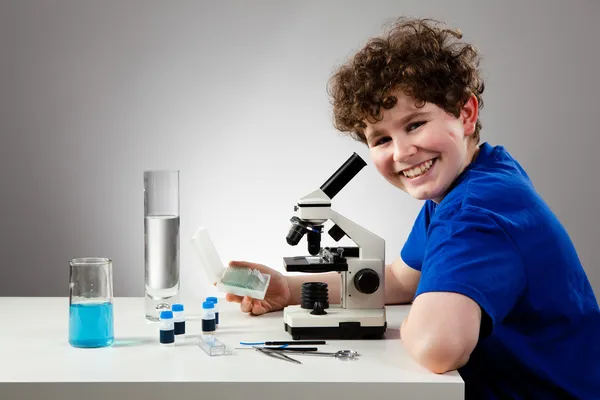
(277, 297)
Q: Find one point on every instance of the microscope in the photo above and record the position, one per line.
(360, 312)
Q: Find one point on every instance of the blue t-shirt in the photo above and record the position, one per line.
(493, 239)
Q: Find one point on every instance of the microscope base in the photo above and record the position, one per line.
(338, 323)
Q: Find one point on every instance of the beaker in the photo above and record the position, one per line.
(91, 302)
(161, 241)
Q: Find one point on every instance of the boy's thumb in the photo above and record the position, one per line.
(246, 264)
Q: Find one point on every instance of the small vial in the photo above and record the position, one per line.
(167, 328)
(178, 319)
(208, 317)
(215, 301)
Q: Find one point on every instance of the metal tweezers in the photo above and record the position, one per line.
(277, 354)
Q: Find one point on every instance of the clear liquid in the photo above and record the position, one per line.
(91, 324)
(161, 259)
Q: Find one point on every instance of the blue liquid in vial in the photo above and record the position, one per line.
(91, 325)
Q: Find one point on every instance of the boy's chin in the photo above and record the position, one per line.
(432, 191)
(421, 194)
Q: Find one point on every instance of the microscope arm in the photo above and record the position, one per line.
(370, 245)
(316, 208)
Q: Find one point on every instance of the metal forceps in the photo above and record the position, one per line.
(278, 355)
(342, 354)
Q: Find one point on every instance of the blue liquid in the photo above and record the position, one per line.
(208, 325)
(91, 325)
(179, 328)
(167, 336)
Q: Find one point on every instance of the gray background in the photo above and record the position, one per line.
(232, 93)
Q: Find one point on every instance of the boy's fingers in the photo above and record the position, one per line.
(246, 305)
(246, 264)
(257, 308)
(233, 298)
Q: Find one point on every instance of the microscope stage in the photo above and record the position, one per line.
(338, 323)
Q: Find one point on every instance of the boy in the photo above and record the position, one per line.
(497, 289)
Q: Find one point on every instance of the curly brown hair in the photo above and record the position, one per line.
(420, 56)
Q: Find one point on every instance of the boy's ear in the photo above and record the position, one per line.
(469, 115)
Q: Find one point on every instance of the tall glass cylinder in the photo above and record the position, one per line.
(161, 241)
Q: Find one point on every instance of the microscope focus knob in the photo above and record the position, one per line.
(366, 281)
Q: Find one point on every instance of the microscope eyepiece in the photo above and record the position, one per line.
(343, 175)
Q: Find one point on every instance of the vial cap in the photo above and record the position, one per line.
(166, 315)
(208, 304)
(177, 307)
(212, 299)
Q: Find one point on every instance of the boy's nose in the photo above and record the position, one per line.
(403, 151)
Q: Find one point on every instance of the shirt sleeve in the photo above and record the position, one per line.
(471, 254)
(413, 251)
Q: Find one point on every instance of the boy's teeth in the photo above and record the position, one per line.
(418, 170)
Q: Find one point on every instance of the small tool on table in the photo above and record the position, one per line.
(277, 354)
(285, 343)
(291, 349)
(341, 354)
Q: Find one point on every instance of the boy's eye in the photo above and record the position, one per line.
(382, 141)
(414, 126)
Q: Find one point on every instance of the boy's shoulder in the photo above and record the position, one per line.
(494, 183)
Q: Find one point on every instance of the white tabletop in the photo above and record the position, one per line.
(38, 362)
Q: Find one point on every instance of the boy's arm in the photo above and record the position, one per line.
(441, 330)
(473, 276)
(400, 283)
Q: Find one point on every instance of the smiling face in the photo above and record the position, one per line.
(422, 150)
